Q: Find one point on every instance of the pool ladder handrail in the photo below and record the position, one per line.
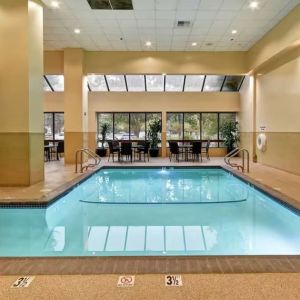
(234, 153)
(79, 159)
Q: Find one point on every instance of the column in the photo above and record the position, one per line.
(21, 93)
(75, 103)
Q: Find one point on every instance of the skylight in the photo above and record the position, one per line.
(54, 82)
(97, 83)
(193, 83)
(155, 83)
(174, 83)
(116, 83)
(213, 83)
(135, 83)
(232, 83)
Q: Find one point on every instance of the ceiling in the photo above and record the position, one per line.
(212, 22)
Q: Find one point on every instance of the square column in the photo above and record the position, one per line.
(21, 93)
(75, 103)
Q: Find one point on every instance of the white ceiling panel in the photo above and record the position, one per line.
(211, 23)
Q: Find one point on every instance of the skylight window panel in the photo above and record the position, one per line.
(155, 83)
(97, 83)
(135, 83)
(116, 83)
(57, 82)
(213, 83)
(232, 83)
(193, 83)
(174, 83)
(46, 86)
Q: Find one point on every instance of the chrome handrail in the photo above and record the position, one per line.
(79, 160)
(235, 152)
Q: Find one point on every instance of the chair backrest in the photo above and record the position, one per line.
(115, 143)
(110, 145)
(196, 147)
(46, 143)
(141, 143)
(61, 147)
(174, 149)
(146, 146)
(207, 144)
(126, 148)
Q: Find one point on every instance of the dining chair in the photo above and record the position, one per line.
(126, 150)
(196, 150)
(114, 148)
(205, 150)
(174, 150)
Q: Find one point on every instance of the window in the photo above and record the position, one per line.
(175, 126)
(197, 126)
(155, 83)
(97, 83)
(193, 83)
(126, 126)
(54, 83)
(161, 83)
(54, 126)
(213, 83)
(210, 127)
(135, 83)
(116, 83)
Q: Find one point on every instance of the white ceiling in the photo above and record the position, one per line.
(154, 20)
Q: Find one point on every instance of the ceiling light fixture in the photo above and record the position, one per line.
(148, 44)
(234, 31)
(163, 74)
(254, 5)
(55, 4)
(77, 30)
(194, 44)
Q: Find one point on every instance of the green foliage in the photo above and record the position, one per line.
(230, 134)
(104, 128)
(154, 129)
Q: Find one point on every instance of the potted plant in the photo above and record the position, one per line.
(104, 128)
(153, 132)
(230, 134)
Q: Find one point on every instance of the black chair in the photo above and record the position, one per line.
(143, 148)
(126, 150)
(205, 150)
(174, 150)
(196, 150)
(60, 148)
(114, 148)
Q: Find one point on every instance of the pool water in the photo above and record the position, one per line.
(157, 211)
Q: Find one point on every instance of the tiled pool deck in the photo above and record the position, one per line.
(278, 183)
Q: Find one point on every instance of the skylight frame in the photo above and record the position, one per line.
(215, 85)
(162, 83)
(102, 87)
(60, 87)
(179, 87)
(121, 88)
(187, 79)
(141, 78)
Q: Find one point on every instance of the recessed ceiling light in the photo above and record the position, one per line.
(163, 74)
(254, 5)
(194, 44)
(148, 44)
(77, 30)
(55, 4)
(234, 31)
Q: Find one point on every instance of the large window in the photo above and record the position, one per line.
(54, 126)
(197, 126)
(126, 126)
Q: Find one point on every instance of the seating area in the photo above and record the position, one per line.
(53, 150)
(122, 151)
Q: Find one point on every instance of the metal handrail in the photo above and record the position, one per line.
(235, 152)
(79, 160)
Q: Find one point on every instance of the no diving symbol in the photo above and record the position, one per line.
(126, 281)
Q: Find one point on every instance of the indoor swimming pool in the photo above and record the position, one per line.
(153, 212)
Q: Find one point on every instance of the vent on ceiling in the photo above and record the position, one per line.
(110, 4)
(183, 23)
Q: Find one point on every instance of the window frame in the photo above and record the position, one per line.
(129, 122)
(53, 113)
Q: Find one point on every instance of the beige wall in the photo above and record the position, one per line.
(53, 62)
(165, 62)
(278, 108)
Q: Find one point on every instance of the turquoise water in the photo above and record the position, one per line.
(153, 212)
